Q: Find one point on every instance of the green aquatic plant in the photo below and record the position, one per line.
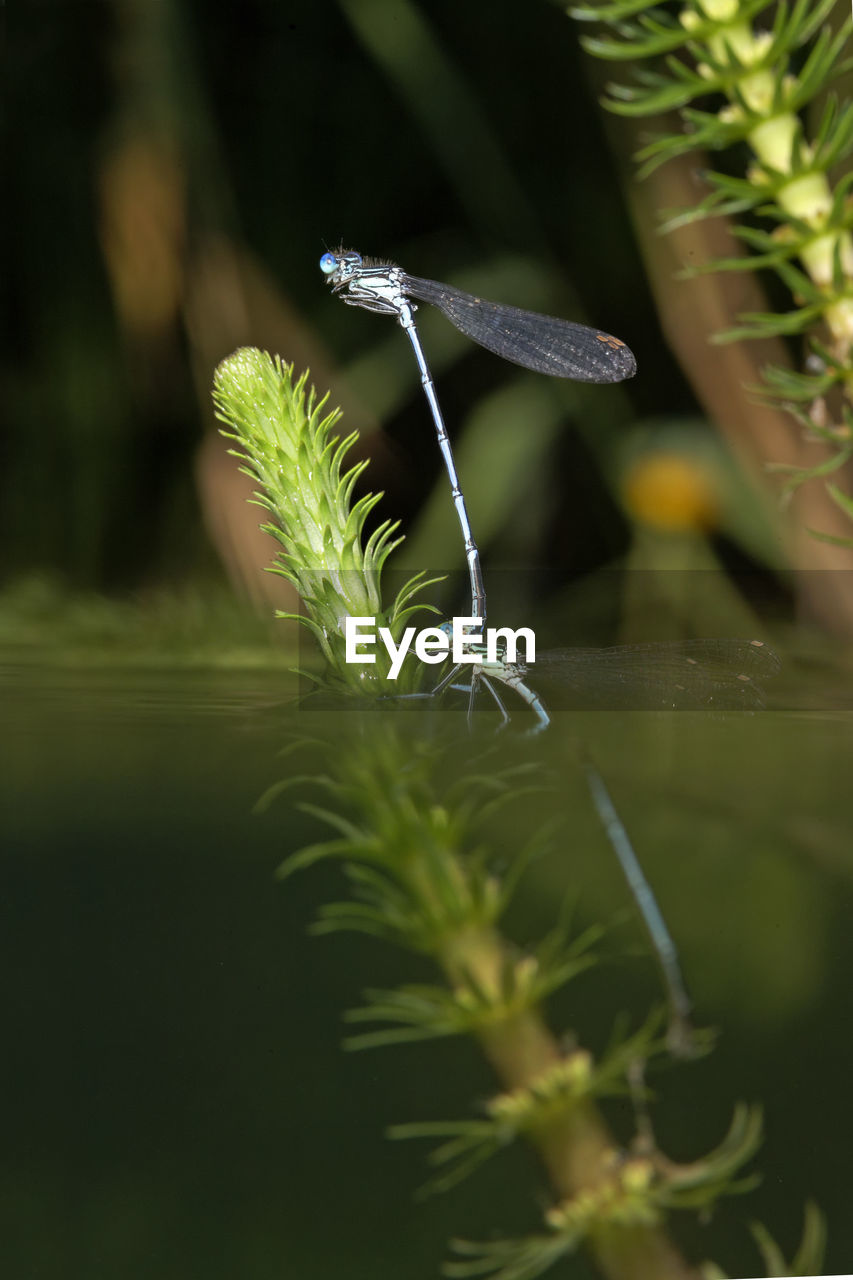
(752, 78)
(289, 446)
(414, 824)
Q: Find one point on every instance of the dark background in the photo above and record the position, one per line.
(156, 150)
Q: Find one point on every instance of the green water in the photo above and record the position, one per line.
(177, 1102)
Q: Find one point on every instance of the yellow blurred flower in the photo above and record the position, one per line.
(670, 491)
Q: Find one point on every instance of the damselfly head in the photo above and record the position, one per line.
(340, 265)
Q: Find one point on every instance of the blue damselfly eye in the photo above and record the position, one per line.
(328, 264)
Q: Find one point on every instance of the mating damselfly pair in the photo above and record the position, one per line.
(697, 674)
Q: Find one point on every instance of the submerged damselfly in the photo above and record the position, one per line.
(686, 675)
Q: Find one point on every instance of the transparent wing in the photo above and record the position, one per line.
(542, 343)
(688, 675)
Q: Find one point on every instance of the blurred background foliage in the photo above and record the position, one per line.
(178, 171)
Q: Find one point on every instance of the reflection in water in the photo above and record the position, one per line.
(174, 1030)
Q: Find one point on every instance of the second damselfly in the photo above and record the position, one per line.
(685, 675)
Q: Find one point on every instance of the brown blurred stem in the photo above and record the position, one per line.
(578, 1149)
(691, 312)
(181, 276)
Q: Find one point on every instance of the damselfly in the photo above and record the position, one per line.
(541, 343)
(687, 675)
